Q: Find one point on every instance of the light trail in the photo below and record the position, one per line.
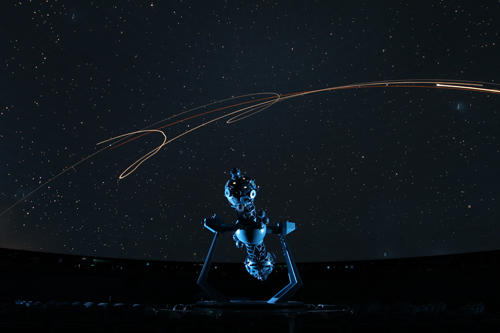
(246, 112)
(242, 110)
(494, 91)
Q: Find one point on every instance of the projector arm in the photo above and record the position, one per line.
(294, 280)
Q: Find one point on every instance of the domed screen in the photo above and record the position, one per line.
(374, 129)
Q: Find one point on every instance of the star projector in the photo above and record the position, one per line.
(249, 231)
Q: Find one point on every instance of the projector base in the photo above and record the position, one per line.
(239, 304)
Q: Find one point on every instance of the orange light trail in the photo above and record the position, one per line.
(242, 110)
(266, 102)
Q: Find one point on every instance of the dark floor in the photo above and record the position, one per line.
(57, 293)
(55, 316)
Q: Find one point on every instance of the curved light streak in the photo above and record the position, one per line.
(243, 110)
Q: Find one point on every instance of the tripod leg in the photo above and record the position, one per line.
(295, 282)
(202, 279)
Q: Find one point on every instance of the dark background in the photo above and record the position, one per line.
(378, 173)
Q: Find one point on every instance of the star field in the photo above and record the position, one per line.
(372, 173)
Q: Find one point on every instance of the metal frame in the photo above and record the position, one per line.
(295, 282)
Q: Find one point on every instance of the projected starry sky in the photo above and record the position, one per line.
(365, 173)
